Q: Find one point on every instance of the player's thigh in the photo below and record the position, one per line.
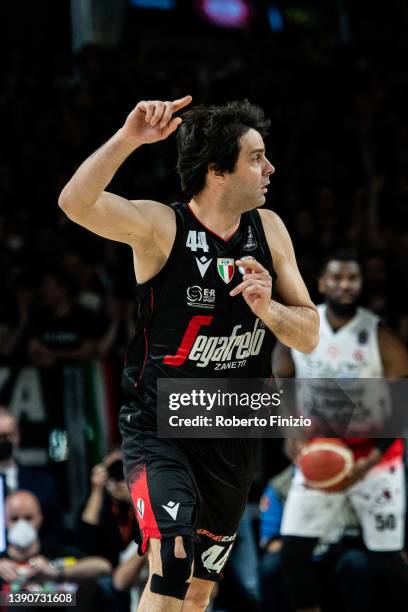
(223, 480)
(380, 504)
(310, 513)
(160, 484)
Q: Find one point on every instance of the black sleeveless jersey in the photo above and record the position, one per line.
(188, 325)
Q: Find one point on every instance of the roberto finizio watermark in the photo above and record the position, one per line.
(323, 407)
(234, 421)
(223, 408)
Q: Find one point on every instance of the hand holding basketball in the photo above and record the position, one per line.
(327, 464)
(152, 121)
(361, 467)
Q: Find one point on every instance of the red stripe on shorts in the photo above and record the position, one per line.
(139, 492)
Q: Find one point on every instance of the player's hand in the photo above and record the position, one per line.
(151, 121)
(362, 466)
(256, 286)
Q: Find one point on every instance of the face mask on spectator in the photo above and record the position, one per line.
(22, 534)
(6, 449)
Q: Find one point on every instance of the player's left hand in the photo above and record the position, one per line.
(256, 286)
(362, 466)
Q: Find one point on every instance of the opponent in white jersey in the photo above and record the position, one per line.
(353, 344)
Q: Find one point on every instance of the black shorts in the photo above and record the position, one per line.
(188, 487)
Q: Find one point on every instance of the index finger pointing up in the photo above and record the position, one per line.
(181, 102)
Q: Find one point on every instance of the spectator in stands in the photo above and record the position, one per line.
(127, 578)
(274, 595)
(37, 480)
(28, 561)
(242, 573)
(15, 319)
(84, 273)
(107, 527)
(107, 524)
(120, 322)
(61, 330)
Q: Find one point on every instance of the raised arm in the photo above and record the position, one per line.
(84, 199)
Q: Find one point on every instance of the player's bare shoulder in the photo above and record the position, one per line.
(276, 233)
(160, 220)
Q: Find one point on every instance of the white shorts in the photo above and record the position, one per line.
(378, 501)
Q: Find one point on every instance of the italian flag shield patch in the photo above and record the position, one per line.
(226, 269)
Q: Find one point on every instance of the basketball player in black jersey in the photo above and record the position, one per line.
(217, 281)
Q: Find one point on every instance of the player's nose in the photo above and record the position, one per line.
(344, 284)
(269, 168)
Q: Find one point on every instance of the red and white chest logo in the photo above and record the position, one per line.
(226, 268)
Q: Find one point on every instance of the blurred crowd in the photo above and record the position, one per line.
(97, 558)
(339, 141)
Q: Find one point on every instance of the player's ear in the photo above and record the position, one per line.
(320, 285)
(215, 173)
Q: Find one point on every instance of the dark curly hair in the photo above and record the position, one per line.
(209, 136)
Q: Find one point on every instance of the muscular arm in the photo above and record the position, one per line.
(292, 316)
(84, 199)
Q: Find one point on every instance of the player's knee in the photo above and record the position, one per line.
(177, 563)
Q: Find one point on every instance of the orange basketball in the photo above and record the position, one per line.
(326, 463)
